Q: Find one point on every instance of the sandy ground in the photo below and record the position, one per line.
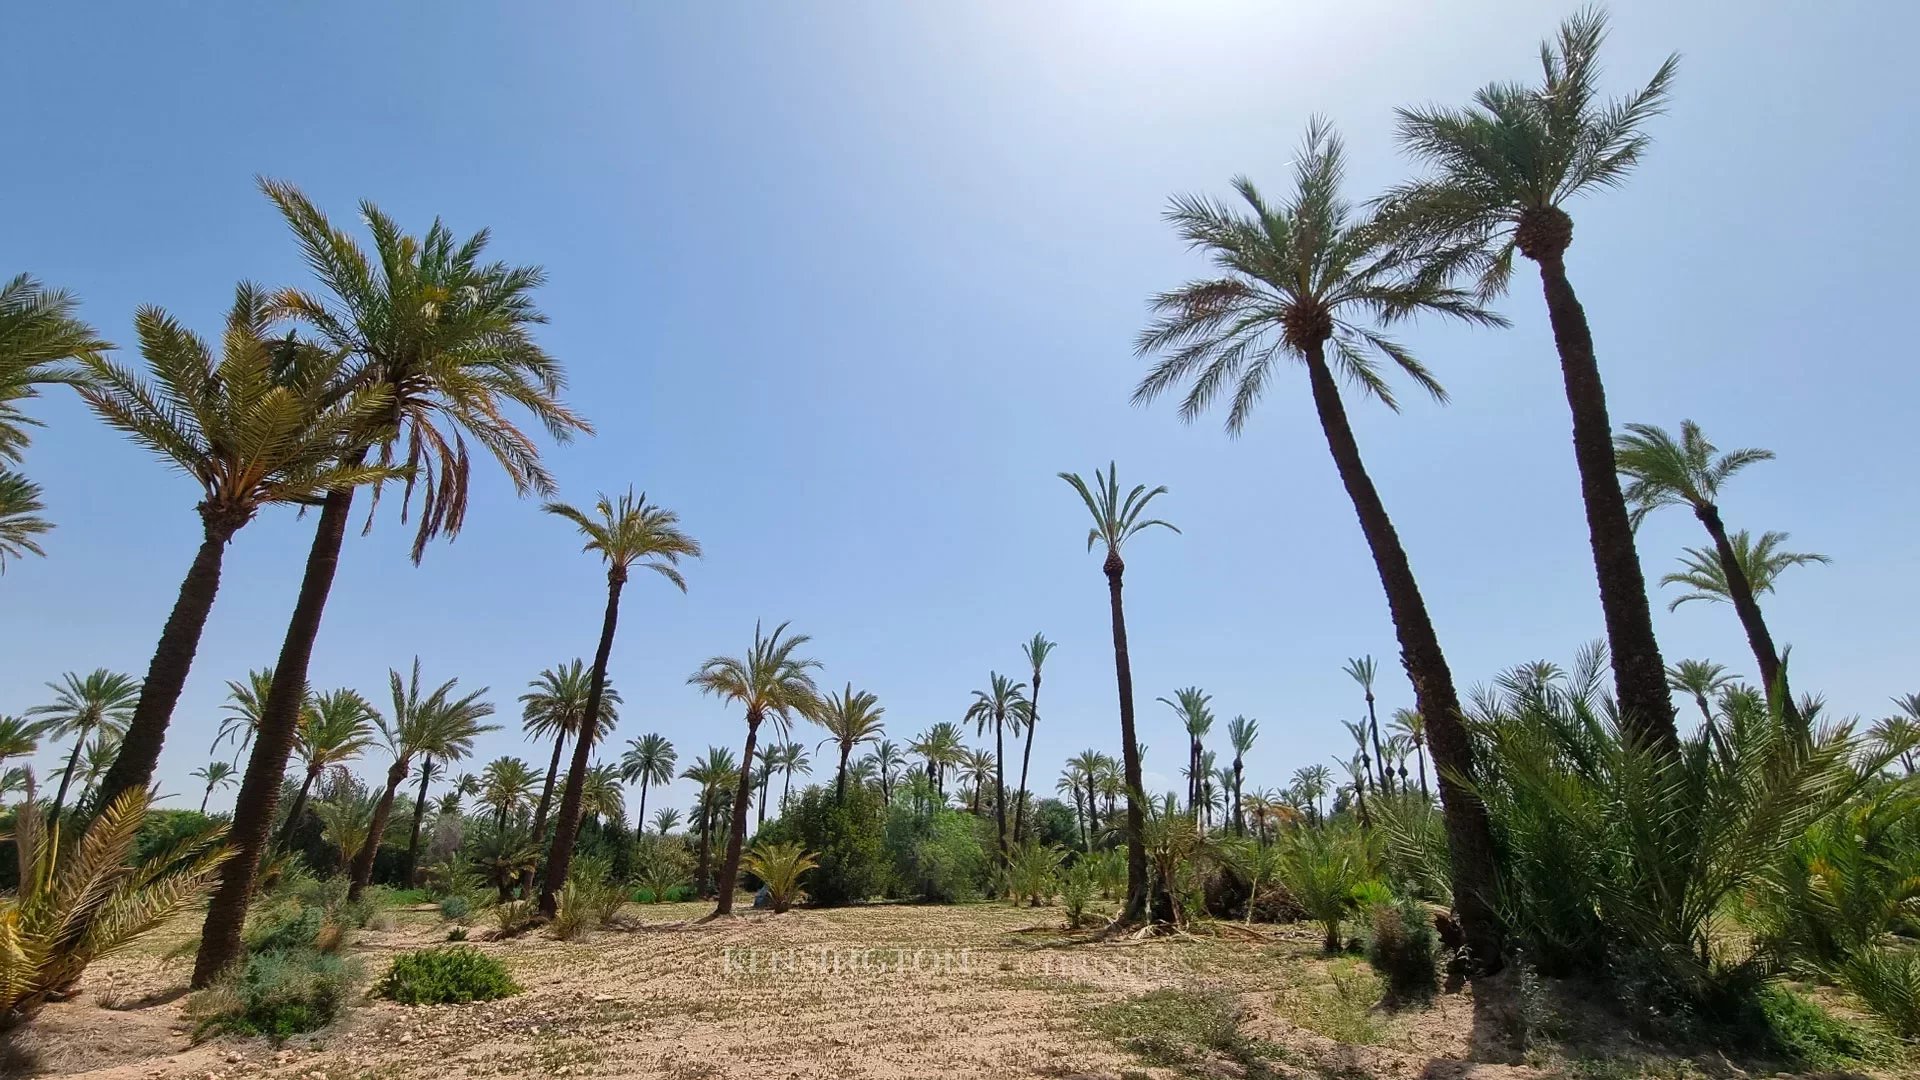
(891, 992)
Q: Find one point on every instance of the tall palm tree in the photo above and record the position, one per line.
(1037, 651)
(851, 717)
(100, 701)
(1115, 521)
(505, 786)
(1301, 280)
(1364, 670)
(763, 780)
(1241, 732)
(451, 338)
(715, 773)
(940, 746)
(552, 708)
(261, 425)
(1760, 562)
(335, 727)
(771, 681)
(1311, 782)
(1504, 168)
(626, 532)
(1190, 704)
(1003, 703)
(888, 761)
(1701, 680)
(422, 722)
(38, 332)
(214, 774)
(789, 758)
(447, 740)
(975, 769)
(1690, 471)
(1083, 771)
(1414, 727)
(649, 760)
(1357, 770)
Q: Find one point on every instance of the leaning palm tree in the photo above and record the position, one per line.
(1365, 670)
(214, 774)
(1002, 704)
(261, 425)
(626, 532)
(1689, 471)
(447, 740)
(1505, 166)
(450, 336)
(649, 760)
(423, 722)
(1115, 521)
(941, 748)
(335, 727)
(1701, 680)
(716, 773)
(1191, 706)
(1759, 562)
(1241, 731)
(771, 681)
(100, 701)
(1311, 280)
(1037, 651)
(552, 708)
(851, 717)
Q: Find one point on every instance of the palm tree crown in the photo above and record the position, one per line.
(1665, 471)
(771, 681)
(627, 531)
(1115, 520)
(556, 700)
(1761, 560)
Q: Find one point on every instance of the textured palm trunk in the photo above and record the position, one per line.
(419, 814)
(1136, 909)
(1080, 813)
(1026, 758)
(1239, 818)
(567, 829)
(1773, 674)
(1360, 799)
(363, 859)
(1379, 750)
(840, 779)
(1420, 757)
(260, 787)
(1000, 784)
(545, 806)
(1640, 680)
(737, 827)
(204, 796)
(706, 845)
(641, 826)
(299, 805)
(133, 766)
(1469, 837)
(66, 774)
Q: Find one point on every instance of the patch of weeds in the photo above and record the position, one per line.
(1184, 1030)
(1342, 1008)
(279, 993)
(1810, 1037)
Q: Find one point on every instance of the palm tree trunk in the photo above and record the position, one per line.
(1000, 784)
(1080, 813)
(546, 804)
(1239, 816)
(363, 859)
(737, 828)
(840, 780)
(567, 829)
(706, 842)
(133, 766)
(1379, 752)
(260, 787)
(1773, 674)
(1136, 909)
(1705, 712)
(1420, 757)
(1026, 758)
(293, 813)
(1360, 798)
(66, 774)
(1469, 836)
(641, 827)
(419, 814)
(204, 796)
(1640, 681)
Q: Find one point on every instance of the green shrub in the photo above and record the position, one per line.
(284, 926)
(1321, 869)
(846, 836)
(444, 975)
(674, 895)
(661, 868)
(277, 993)
(1809, 1037)
(455, 907)
(1403, 947)
(937, 855)
(1077, 887)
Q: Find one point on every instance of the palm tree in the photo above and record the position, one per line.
(215, 774)
(1505, 166)
(1310, 783)
(851, 717)
(552, 708)
(1115, 521)
(99, 702)
(888, 761)
(1036, 652)
(789, 758)
(421, 724)
(261, 425)
(770, 682)
(448, 739)
(93, 765)
(763, 780)
(1083, 773)
(1689, 471)
(715, 773)
(1364, 670)
(505, 786)
(975, 769)
(20, 519)
(649, 760)
(1760, 561)
(242, 719)
(37, 332)
(450, 337)
(941, 747)
(1299, 280)
(1414, 727)
(19, 737)
(1003, 703)
(335, 727)
(1357, 771)
(665, 820)
(602, 798)
(1241, 731)
(626, 532)
(1191, 706)
(1701, 680)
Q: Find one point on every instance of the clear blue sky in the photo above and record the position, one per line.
(847, 285)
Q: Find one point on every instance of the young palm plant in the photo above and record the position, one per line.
(1001, 705)
(779, 864)
(851, 717)
(771, 681)
(648, 760)
(1310, 280)
(450, 337)
(1505, 166)
(1115, 521)
(626, 532)
(261, 425)
(1037, 651)
(101, 701)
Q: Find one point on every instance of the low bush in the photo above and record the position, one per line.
(445, 975)
(1403, 948)
(844, 833)
(456, 907)
(277, 993)
(1077, 886)
(662, 869)
(1032, 873)
(937, 854)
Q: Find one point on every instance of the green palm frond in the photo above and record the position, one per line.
(20, 520)
(1115, 519)
(1760, 560)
